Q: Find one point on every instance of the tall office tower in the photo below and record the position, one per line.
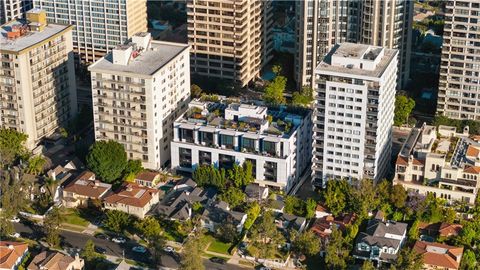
(353, 117)
(323, 23)
(13, 9)
(100, 25)
(458, 93)
(37, 78)
(230, 39)
(138, 91)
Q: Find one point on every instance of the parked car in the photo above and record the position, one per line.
(100, 250)
(102, 236)
(265, 268)
(217, 260)
(139, 249)
(15, 219)
(168, 249)
(15, 235)
(119, 240)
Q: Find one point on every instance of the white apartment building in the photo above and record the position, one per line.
(100, 25)
(440, 161)
(37, 77)
(323, 23)
(353, 117)
(138, 90)
(459, 86)
(230, 39)
(223, 133)
(13, 9)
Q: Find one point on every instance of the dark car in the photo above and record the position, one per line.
(100, 250)
(217, 260)
(102, 236)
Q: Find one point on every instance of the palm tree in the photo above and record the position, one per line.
(51, 186)
(36, 164)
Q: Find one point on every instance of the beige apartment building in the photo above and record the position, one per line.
(229, 39)
(138, 90)
(323, 23)
(37, 79)
(100, 25)
(441, 162)
(459, 84)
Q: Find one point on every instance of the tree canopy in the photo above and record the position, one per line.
(307, 243)
(196, 91)
(274, 91)
(303, 98)
(265, 236)
(117, 221)
(107, 159)
(233, 196)
(191, 256)
(403, 108)
(12, 145)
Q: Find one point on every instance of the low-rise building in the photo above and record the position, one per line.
(84, 189)
(54, 260)
(440, 229)
(255, 192)
(287, 222)
(132, 199)
(148, 179)
(12, 254)
(323, 226)
(381, 241)
(441, 162)
(276, 141)
(439, 256)
(217, 215)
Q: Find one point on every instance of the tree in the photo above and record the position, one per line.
(93, 259)
(468, 260)
(274, 91)
(233, 196)
(335, 196)
(36, 165)
(409, 259)
(11, 145)
(107, 159)
(248, 171)
(403, 107)
(149, 227)
(252, 213)
(236, 175)
(265, 236)
(227, 232)
(277, 69)
(191, 257)
(367, 265)
(307, 243)
(117, 221)
(413, 233)
(196, 91)
(132, 169)
(364, 199)
(450, 215)
(51, 226)
(208, 175)
(156, 244)
(398, 196)
(6, 227)
(303, 98)
(336, 251)
(310, 207)
(294, 206)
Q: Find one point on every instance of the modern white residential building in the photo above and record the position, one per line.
(100, 25)
(459, 86)
(323, 23)
(13, 9)
(138, 90)
(353, 117)
(37, 77)
(440, 161)
(276, 142)
(230, 39)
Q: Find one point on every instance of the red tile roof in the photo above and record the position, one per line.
(86, 185)
(439, 255)
(132, 194)
(472, 169)
(402, 161)
(447, 229)
(472, 151)
(147, 176)
(10, 252)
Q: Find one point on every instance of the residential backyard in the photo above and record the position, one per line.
(217, 246)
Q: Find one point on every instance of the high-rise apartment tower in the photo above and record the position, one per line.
(459, 86)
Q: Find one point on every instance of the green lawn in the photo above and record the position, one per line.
(218, 246)
(72, 216)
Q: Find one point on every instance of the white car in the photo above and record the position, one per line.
(168, 249)
(139, 249)
(15, 235)
(15, 219)
(265, 268)
(119, 240)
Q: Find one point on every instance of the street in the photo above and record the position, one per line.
(76, 241)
